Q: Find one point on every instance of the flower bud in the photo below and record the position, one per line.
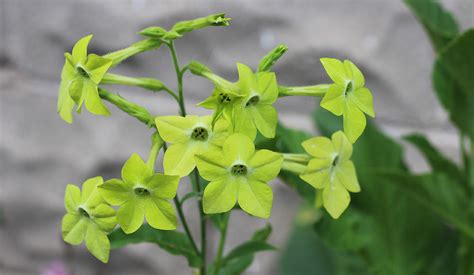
(198, 68)
(200, 23)
(159, 33)
(268, 60)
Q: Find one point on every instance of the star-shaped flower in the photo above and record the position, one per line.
(331, 170)
(347, 96)
(88, 217)
(259, 92)
(142, 194)
(239, 174)
(188, 136)
(80, 78)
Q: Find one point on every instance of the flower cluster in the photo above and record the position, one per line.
(220, 148)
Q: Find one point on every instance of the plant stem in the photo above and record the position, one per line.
(220, 250)
(179, 76)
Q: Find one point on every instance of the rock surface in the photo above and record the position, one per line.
(39, 153)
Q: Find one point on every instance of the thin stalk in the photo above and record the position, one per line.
(220, 249)
(203, 221)
(300, 158)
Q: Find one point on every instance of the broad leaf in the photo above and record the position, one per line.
(175, 242)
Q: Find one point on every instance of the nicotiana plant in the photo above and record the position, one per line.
(220, 152)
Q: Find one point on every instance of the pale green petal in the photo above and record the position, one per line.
(93, 102)
(135, 170)
(175, 129)
(72, 198)
(342, 145)
(335, 199)
(131, 214)
(97, 243)
(334, 99)
(179, 159)
(356, 75)
(354, 122)
(238, 147)
(220, 133)
(243, 122)
(265, 165)
(162, 186)
(74, 228)
(220, 196)
(363, 99)
(347, 176)
(211, 165)
(97, 66)
(105, 217)
(65, 102)
(335, 69)
(160, 214)
(79, 51)
(247, 80)
(265, 118)
(319, 147)
(317, 173)
(256, 198)
(68, 72)
(115, 191)
(209, 103)
(90, 194)
(76, 91)
(267, 87)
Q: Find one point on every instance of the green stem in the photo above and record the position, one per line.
(300, 158)
(220, 250)
(316, 90)
(141, 46)
(293, 167)
(179, 76)
(157, 143)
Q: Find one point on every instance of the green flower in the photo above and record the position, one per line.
(88, 217)
(142, 194)
(238, 173)
(331, 170)
(188, 136)
(80, 78)
(259, 92)
(347, 96)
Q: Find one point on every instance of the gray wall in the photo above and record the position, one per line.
(39, 153)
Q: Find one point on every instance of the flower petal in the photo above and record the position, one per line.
(238, 147)
(220, 132)
(90, 194)
(317, 173)
(115, 191)
(265, 118)
(163, 186)
(265, 165)
(160, 214)
(131, 214)
(211, 165)
(355, 74)
(255, 198)
(135, 170)
(97, 66)
(354, 122)
(105, 217)
(335, 199)
(243, 122)
(335, 69)
(347, 176)
(93, 102)
(267, 87)
(179, 159)
(342, 145)
(65, 102)
(72, 198)
(363, 99)
(319, 147)
(79, 51)
(333, 100)
(97, 243)
(175, 129)
(247, 80)
(220, 196)
(74, 228)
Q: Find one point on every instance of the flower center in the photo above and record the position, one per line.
(83, 212)
(224, 98)
(252, 101)
(335, 161)
(200, 134)
(141, 191)
(82, 72)
(348, 88)
(239, 170)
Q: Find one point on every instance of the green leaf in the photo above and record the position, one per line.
(262, 234)
(175, 242)
(437, 161)
(438, 23)
(245, 249)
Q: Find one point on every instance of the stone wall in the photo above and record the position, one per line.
(39, 153)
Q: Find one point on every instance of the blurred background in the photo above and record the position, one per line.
(40, 154)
